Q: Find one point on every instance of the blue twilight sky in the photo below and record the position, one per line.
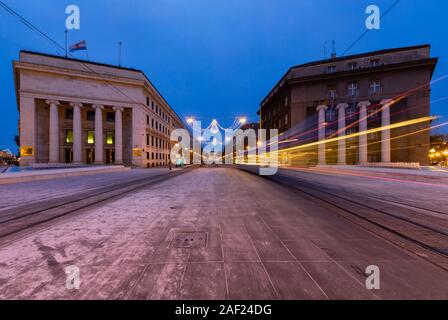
(217, 58)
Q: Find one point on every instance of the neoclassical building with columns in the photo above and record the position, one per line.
(318, 104)
(81, 113)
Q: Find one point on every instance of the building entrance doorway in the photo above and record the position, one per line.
(90, 156)
(110, 156)
(68, 155)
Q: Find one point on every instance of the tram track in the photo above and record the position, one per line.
(21, 218)
(419, 234)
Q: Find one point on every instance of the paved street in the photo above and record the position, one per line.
(214, 233)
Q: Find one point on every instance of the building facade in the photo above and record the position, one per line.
(75, 111)
(350, 95)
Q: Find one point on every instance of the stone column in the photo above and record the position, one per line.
(385, 134)
(54, 131)
(321, 126)
(363, 128)
(342, 158)
(99, 143)
(118, 135)
(77, 132)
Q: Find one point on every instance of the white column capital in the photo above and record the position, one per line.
(342, 106)
(364, 104)
(97, 106)
(118, 108)
(52, 102)
(76, 104)
(321, 107)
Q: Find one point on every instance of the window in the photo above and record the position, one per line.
(351, 113)
(374, 136)
(331, 69)
(110, 138)
(372, 112)
(91, 137)
(147, 101)
(353, 89)
(147, 155)
(352, 66)
(152, 105)
(152, 141)
(69, 114)
(331, 133)
(286, 101)
(374, 63)
(69, 136)
(110, 117)
(330, 114)
(375, 86)
(147, 139)
(332, 93)
(147, 120)
(152, 123)
(152, 156)
(286, 119)
(90, 115)
(349, 132)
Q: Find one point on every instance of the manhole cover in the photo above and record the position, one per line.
(190, 240)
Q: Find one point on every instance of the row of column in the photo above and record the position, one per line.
(77, 133)
(363, 141)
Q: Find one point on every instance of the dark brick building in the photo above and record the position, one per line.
(349, 95)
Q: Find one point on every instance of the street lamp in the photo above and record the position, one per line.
(243, 120)
(190, 120)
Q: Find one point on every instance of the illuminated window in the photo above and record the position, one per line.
(110, 138)
(69, 136)
(91, 137)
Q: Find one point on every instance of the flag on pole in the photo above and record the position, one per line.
(78, 46)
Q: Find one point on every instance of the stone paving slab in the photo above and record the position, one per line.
(263, 242)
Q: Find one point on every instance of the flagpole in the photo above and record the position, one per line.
(66, 43)
(119, 53)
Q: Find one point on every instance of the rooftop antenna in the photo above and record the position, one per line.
(66, 43)
(119, 53)
(333, 53)
(325, 49)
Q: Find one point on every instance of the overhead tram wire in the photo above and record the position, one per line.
(367, 30)
(59, 47)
